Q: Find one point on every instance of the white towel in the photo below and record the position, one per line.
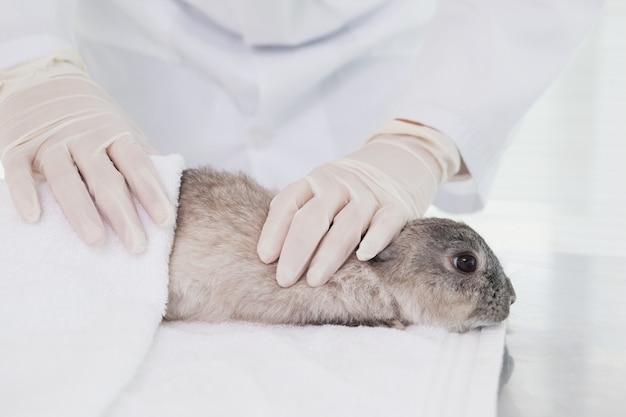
(75, 322)
(197, 369)
(77, 338)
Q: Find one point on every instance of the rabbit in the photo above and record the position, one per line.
(437, 272)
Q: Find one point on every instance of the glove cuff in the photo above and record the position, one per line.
(66, 62)
(442, 149)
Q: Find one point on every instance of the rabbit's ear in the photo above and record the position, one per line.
(388, 254)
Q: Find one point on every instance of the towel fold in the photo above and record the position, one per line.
(76, 321)
(80, 335)
(241, 369)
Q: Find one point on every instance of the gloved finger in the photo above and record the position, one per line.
(308, 227)
(71, 194)
(341, 240)
(282, 209)
(110, 193)
(385, 226)
(21, 185)
(131, 160)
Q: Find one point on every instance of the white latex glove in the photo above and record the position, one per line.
(362, 200)
(57, 123)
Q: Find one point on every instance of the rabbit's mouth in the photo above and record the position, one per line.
(495, 306)
(491, 314)
(482, 317)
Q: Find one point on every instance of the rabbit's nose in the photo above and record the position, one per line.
(512, 295)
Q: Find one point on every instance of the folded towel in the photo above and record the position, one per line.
(240, 369)
(75, 322)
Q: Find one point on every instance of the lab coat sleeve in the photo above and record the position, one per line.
(482, 66)
(34, 28)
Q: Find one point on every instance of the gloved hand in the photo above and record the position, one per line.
(318, 221)
(57, 123)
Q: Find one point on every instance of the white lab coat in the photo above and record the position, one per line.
(278, 87)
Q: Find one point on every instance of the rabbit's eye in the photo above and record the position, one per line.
(465, 263)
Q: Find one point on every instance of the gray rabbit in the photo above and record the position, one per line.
(436, 272)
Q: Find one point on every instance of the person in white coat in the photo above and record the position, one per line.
(369, 110)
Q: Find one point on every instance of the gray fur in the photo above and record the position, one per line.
(215, 274)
